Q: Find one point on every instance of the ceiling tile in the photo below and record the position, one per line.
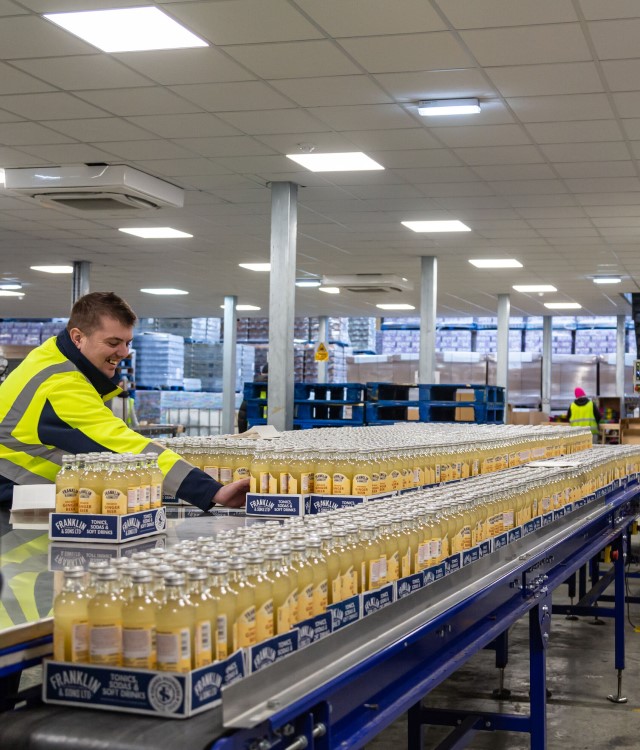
(387, 140)
(622, 75)
(468, 15)
(448, 189)
(290, 143)
(141, 101)
(614, 40)
(575, 132)
(392, 54)
(559, 78)
(306, 59)
(256, 164)
(596, 169)
(55, 106)
(608, 199)
(246, 21)
(627, 104)
(586, 151)
(596, 9)
(363, 117)
(150, 149)
(198, 65)
(230, 97)
(605, 184)
(428, 175)
(432, 157)
(31, 36)
(73, 153)
(515, 172)
(500, 155)
(373, 17)
(274, 121)
(98, 129)
(183, 167)
(10, 157)
(44, 6)
(83, 72)
(183, 126)
(571, 107)
(528, 45)
(14, 81)
(27, 133)
(332, 91)
(228, 146)
(482, 135)
(533, 187)
(436, 84)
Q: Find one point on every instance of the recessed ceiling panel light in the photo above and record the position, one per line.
(8, 293)
(245, 308)
(495, 263)
(256, 266)
(168, 291)
(353, 161)
(436, 226)
(155, 233)
(398, 306)
(330, 289)
(8, 287)
(607, 280)
(308, 282)
(127, 29)
(443, 107)
(534, 288)
(2, 176)
(53, 269)
(562, 305)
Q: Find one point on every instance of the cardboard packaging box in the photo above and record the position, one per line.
(465, 413)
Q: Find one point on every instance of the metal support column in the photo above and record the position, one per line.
(502, 370)
(620, 321)
(323, 337)
(547, 358)
(428, 305)
(284, 227)
(620, 553)
(539, 621)
(229, 367)
(81, 279)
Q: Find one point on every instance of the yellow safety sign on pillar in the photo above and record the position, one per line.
(322, 353)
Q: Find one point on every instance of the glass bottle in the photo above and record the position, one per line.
(205, 618)
(139, 623)
(105, 620)
(70, 619)
(175, 619)
(67, 486)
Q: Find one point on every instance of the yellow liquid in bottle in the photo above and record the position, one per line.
(175, 619)
(244, 625)
(342, 478)
(67, 485)
(205, 621)
(70, 622)
(305, 607)
(104, 615)
(263, 587)
(139, 627)
(281, 589)
(323, 476)
(144, 477)
(114, 493)
(156, 484)
(90, 489)
(370, 572)
(320, 577)
(225, 600)
(357, 561)
(133, 488)
(392, 553)
(332, 556)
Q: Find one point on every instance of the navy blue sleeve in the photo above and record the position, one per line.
(198, 489)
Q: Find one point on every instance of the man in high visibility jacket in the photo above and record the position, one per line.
(54, 403)
(584, 413)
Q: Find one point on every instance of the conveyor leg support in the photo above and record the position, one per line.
(538, 637)
(415, 727)
(620, 558)
(502, 658)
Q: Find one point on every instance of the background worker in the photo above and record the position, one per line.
(584, 413)
(54, 403)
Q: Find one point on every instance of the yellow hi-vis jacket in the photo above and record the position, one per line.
(583, 416)
(54, 403)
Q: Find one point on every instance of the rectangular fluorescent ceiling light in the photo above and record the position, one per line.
(562, 305)
(8, 293)
(496, 263)
(244, 308)
(256, 266)
(534, 288)
(443, 107)
(127, 29)
(53, 269)
(607, 280)
(10, 286)
(2, 176)
(353, 161)
(399, 306)
(330, 289)
(308, 282)
(436, 226)
(166, 292)
(155, 233)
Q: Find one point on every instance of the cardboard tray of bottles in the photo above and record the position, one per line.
(106, 529)
(285, 506)
(174, 695)
(63, 554)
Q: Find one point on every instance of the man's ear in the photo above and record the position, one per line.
(76, 336)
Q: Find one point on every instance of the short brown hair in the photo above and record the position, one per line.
(87, 312)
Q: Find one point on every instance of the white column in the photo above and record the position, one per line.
(284, 228)
(428, 305)
(80, 282)
(502, 353)
(229, 371)
(620, 321)
(547, 358)
(323, 336)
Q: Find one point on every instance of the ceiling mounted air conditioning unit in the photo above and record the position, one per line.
(369, 282)
(98, 189)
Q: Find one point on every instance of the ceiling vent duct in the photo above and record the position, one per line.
(369, 282)
(101, 189)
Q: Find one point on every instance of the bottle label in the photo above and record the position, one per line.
(213, 472)
(320, 598)
(393, 567)
(383, 478)
(138, 646)
(284, 483)
(546, 504)
(245, 630)
(67, 500)
(322, 483)
(105, 644)
(79, 642)
(89, 501)
(375, 483)
(203, 645)
(475, 467)
(145, 499)
(382, 570)
(352, 582)
(114, 502)
(226, 474)
(273, 485)
(363, 575)
(240, 472)
(336, 589)
(283, 617)
(418, 476)
(293, 485)
(396, 480)
(438, 473)
(423, 554)
(341, 484)
(362, 484)
(292, 605)
(305, 603)
(264, 621)
(262, 483)
(406, 563)
(174, 650)
(133, 499)
(305, 482)
(156, 495)
(465, 537)
(374, 574)
(221, 637)
(507, 520)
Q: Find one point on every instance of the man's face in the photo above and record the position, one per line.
(106, 346)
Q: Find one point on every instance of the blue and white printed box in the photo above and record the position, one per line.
(409, 584)
(345, 612)
(277, 506)
(327, 503)
(452, 563)
(106, 529)
(168, 695)
(272, 650)
(314, 629)
(377, 599)
(62, 555)
(434, 573)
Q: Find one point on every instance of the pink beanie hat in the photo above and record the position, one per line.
(579, 393)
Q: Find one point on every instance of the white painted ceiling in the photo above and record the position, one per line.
(547, 173)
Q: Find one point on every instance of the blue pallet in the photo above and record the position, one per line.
(345, 392)
(312, 424)
(253, 390)
(311, 410)
(387, 413)
(389, 391)
(256, 409)
(485, 394)
(483, 413)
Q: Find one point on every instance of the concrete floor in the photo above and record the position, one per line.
(580, 675)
